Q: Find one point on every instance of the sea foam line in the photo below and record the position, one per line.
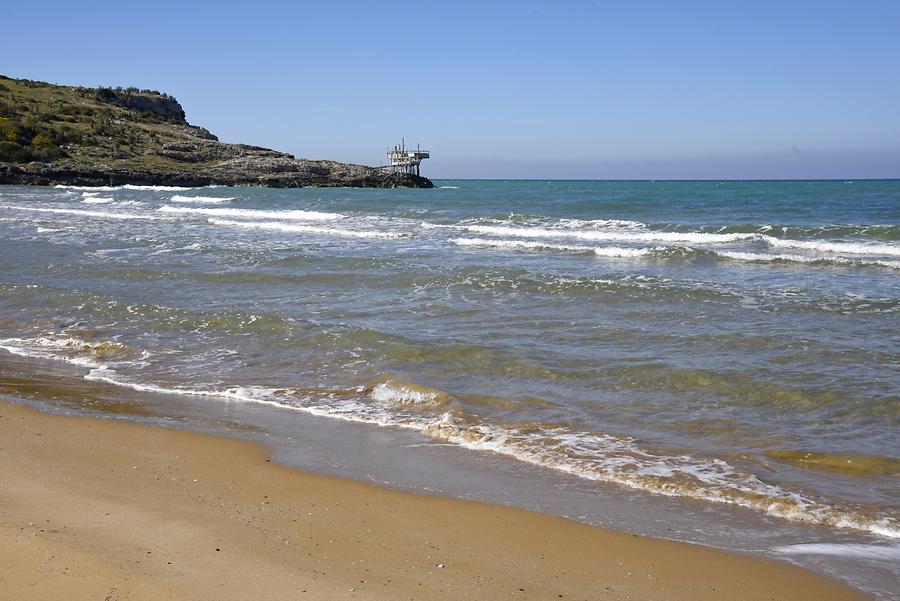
(671, 252)
(746, 491)
(886, 553)
(685, 237)
(18, 347)
(785, 258)
(202, 199)
(305, 229)
(290, 215)
(614, 223)
(126, 187)
(605, 251)
(853, 248)
(616, 236)
(86, 213)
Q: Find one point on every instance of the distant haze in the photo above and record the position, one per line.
(641, 90)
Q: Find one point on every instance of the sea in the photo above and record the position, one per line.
(710, 361)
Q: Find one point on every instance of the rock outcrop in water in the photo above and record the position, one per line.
(53, 134)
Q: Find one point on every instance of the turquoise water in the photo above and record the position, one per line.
(729, 342)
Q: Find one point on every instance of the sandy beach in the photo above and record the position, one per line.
(97, 509)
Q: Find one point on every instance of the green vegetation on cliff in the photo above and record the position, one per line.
(53, 134)
(42, 122)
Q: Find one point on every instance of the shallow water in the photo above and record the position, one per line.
(733, 343)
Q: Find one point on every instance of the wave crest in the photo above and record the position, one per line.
(290, 215)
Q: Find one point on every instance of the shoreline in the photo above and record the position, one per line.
(101, 508)
(15, 175)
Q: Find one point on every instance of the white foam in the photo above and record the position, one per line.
(792, 258)
(155, 188)
(164, 250)
(86, 213)
(604, 251)
(305, 229)
(625, 253)
(94, 188)
(602, 223)
(634, 252)
(98, 200)
(247, 394)
(127, 187)
(853, 248)
(44, 347)
(291, 215)
(490, 243)
(613, 231)
(12, 345)
(888, 553)
(393, 393)
(103, 374)
(608, 235)
(202, 199)
(620, 461)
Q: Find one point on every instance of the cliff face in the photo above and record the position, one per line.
(99, 136)
(147, 102)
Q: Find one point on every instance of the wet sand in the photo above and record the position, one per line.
(98, 509)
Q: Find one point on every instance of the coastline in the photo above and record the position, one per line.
(305, 174)
(100, 508)
(100, 137)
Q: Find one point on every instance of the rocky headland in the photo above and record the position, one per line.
(52, 134)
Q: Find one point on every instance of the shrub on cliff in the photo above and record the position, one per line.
(11, 152)
(42, 139)
(47, 153)
(41, 148)
(76, 110)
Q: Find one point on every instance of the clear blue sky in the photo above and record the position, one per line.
(599, 89)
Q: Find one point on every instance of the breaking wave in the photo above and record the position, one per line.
(606, 251)
(294, 215)
(673, 252)
(87, 213)
(816, 260)
(606, 235)
(406, 394)
(202, 199)
(127, 187)
(591, 455)
(305, 229)
(855, 248)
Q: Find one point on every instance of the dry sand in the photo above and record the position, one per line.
(103, 510)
